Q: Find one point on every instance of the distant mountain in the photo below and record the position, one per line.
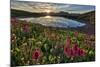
(89, 17)
(21, 13)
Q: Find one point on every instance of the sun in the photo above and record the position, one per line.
(48, 11)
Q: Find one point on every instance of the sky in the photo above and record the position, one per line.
(32, 6)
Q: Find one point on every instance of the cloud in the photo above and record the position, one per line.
(40, 7)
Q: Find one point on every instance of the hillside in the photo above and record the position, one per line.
(89, 17)
(21, 13)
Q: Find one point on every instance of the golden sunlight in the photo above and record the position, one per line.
(48, 11)
(47, 16)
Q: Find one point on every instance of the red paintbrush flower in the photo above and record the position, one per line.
(75, 33)
(26, 27)
(75, 49)
(68, 41)
(25, 23)
(14, 21)
(69, 52)
(66, 49)
(81, 52)
(36, 54)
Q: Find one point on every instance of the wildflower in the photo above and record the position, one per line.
(25, 23)
(14, 21)
(66, 50)
(36, 54)
(75, 49)
(22, 58)
(68, 42)
(81, 52)
(17, 49)
(24, 44)
(75, 33)
(71, 53)
(25, 28)
(13, 38)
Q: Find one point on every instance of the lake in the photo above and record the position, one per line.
(55, 22)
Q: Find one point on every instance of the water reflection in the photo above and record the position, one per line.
(48, 17)
(55, 22)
